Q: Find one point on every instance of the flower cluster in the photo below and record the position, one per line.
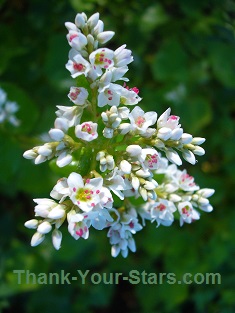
(117, 150)
(8, 110)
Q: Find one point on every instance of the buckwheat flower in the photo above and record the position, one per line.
(86, 131)
(101, 59)
(77, 65)
(129, 96)
(187, 213)
(76, 40)
(109, 95)
(77, 226)
(78, 95)
(71, 114)
(84, 195)
(151, 158)
(122, 56)
(115, 182)
(61, 190)
(185, 181)
(140, 121)
(162, 212)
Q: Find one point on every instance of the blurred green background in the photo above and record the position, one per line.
(184, 54)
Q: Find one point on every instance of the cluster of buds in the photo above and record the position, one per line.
(120, 152)
(8, 110)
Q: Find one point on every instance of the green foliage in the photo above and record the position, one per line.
(184, 55)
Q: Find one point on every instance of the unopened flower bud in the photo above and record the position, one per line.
(56, 238)
(105, 36)
(125, 166)
(32, 224)
(37, 239)
(57, 212)
(56, 134)
(44, 227)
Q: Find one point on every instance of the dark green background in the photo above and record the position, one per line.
(184, 55)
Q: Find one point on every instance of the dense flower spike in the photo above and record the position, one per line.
(118, 153)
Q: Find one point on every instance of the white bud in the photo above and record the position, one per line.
(108, 132)
(198, 140)
(99, 155)
(80, 20)
(149, 185)
(45, 150)
(186, 138)
(44, 227)
(56, 238)
(103, 161)
(173, 157)
(37, 239)
(64, 159)
(164, 133)
(199, 151)
(70, 26)
(174, 198)
(124, 128)
(40, 159)
(189, 156)
(203, 201)
(176, 133)
(105, 36)
(104, 117)
(125, 166)
(143, 173)
(32, 224)
(143, 193)
(61, 124)
(90, 39)
(206, 192)
(93, 20)
(116, 123)
(134, 150)
(103, 168)
(135, 182)
(56, 134)
(30, 154)
(57, 212)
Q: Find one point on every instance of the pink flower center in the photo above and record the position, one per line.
(86, 128)
(140, 121)
(71, 37)
(78, 67)
(161, 207)
(74, 93)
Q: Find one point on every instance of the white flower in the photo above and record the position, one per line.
(151, 158)
(122, 56)
(77, 65)
(187, 213)
(76, 40)
(78, 95)
(77, 226)
(86, 131)
(140, 121)
(101, 59)
(162, 212)
(71, 114)
(109, 95)
(84, 195)
(185, 181)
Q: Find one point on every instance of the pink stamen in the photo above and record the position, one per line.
(78, 67)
